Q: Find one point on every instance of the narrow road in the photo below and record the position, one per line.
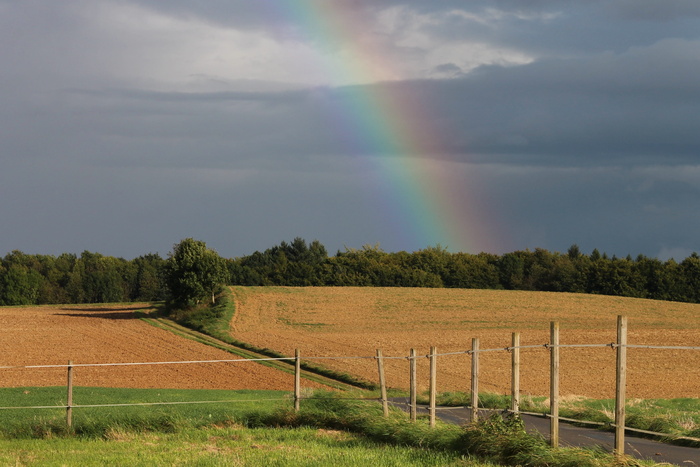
(574, 436)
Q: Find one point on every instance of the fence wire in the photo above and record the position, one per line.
(354, 357)
(545, 346)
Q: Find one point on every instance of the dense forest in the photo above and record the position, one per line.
(93, 278)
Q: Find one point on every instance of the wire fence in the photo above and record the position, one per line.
(553, 347)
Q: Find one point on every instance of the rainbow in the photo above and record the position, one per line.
(425, 198)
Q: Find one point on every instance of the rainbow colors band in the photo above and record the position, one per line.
(391, 128)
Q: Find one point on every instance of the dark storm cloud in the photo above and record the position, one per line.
(554, 26)
(654, 11)
(638, 107)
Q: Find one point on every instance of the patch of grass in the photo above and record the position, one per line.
(676, 418)
(221, 407)
(289, 322)
(537, 404)
(497, 440)
(673, 417)
(225, 446)
(328, 430)
(679, 419)
(487, 400)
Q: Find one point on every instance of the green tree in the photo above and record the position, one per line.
(469, 271)
(194, 272)
(511, 269)
(149, 283)
(19, 285)
(103, 278)
(21, 281)
(56, 272)
(690, 278)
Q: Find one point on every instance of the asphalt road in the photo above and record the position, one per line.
(574, 436)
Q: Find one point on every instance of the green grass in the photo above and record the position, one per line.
(328, 430)
(457, 399)
(199, 434)
(676, 418)
(224, 446)
(503, 442)
(96, 421)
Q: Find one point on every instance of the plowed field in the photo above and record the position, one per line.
(112, 334)
(356, 321)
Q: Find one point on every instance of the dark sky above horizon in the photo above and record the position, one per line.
(127, 125)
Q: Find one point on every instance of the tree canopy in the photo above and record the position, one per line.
(194, 272)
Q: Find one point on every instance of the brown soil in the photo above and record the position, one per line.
(347, 321)
(112, 334)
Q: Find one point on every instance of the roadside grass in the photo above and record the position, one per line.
(180, 409)
(495, 439)
(329, 430)
(676, 418)
(225, 446)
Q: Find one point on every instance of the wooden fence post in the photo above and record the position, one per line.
(515, 373)
(69, 404)
(382, 382)
(554, 385)
(433, 384)
(413, 384)
(620, 385)
(297, 380)
(475, 379)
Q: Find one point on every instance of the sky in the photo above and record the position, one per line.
(479, 126)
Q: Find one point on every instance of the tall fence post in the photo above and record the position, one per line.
(554, 385)
(515, 373)
(297, 379)
(413, 393)
(69, 403)
(620, 385)
(475, 379)
(433, 384)
(382, 382)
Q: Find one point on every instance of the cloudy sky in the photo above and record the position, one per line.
(484, 125)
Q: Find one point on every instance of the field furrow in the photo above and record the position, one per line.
(349, 321)
(113, 334)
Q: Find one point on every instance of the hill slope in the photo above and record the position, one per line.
(50, 335)
(348, 321)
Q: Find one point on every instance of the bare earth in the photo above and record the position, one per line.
(347, 321)
(111, 334)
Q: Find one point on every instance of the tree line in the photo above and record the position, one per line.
(299, 264)
(89, 278)
(192, 272)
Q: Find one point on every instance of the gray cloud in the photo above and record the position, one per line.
(650, 10)
(606, 109)
(126, 143)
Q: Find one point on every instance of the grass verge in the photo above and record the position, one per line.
(232, 445)
(160, 410)
(497, 440)
(676, 420)
(327, 431)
